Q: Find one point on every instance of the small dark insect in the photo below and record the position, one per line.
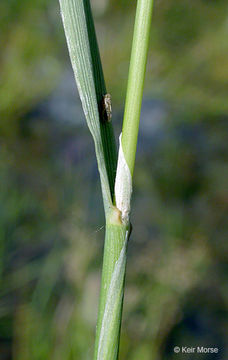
(106, 108)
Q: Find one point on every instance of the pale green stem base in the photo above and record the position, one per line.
(112, 289)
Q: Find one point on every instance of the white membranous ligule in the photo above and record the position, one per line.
(123, 185)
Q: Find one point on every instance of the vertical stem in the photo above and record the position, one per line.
(114, 262)
(136, 80)
(112, 288)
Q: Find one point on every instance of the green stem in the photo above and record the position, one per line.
(115, 250)
(112, 286)
(136, 80)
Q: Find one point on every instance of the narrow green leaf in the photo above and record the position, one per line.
(85, 59)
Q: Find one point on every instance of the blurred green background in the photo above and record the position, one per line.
(51, 215)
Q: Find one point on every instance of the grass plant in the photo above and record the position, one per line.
(116, 177)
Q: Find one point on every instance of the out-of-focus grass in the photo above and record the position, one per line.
(176, 289)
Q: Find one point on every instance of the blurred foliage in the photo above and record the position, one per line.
(50, 203)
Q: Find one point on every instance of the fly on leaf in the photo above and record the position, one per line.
(106, 108)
